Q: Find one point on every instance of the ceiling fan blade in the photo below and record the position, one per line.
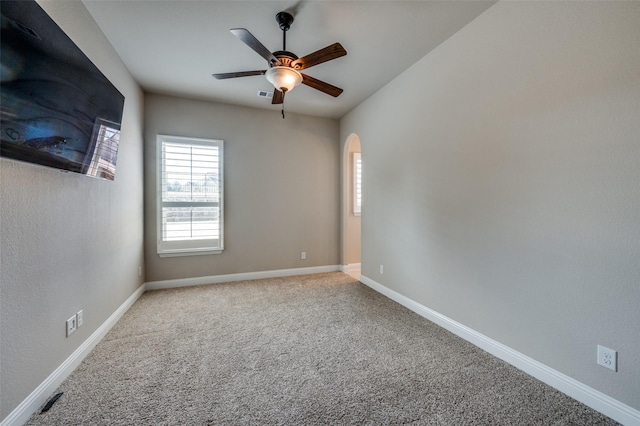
(321, 86)
(247, 38)
(323, 55)
(278, 97)
(226, 75)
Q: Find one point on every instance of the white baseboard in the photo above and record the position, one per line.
(595, 399)
(217, 279)
(39, 396)
(350, 267)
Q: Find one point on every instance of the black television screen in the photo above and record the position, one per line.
(57, 108)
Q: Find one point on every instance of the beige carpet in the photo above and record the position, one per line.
(314, 349)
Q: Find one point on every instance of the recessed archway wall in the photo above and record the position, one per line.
(350, 235)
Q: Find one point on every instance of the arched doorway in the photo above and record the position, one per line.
(351, 200)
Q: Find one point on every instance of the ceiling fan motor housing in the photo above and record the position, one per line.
(285, 57)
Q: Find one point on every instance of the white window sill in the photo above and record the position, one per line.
(190, 252)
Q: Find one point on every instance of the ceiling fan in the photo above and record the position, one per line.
(284, 66)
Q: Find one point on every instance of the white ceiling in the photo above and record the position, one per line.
(173, 47)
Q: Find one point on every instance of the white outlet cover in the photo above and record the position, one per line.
(80, 318)
(608, 358)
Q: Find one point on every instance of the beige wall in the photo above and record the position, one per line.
(502, 184)
(281, 183)
(69, 242)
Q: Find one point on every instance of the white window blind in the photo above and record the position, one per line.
(190, 196)
(105, 139)
(357, 184)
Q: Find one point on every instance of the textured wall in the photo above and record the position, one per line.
(502, 189)
(68, 242)
(281, 183)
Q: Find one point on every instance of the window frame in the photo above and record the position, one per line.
(357, 206)
(188, 247)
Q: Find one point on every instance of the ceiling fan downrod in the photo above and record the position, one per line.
(284, 20)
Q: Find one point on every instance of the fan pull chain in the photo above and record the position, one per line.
(284, 92)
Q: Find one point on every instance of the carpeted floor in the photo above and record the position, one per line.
(314, 349)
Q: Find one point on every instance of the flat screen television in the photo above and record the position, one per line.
(57, 108)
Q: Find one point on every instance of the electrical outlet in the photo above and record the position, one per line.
(80, 318)
(381, 269)
(608, 358)
(303, 255)
(72, 325)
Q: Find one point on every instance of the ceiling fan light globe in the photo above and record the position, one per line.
(283, 78)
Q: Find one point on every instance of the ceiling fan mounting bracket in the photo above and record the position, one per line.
(284, 19)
